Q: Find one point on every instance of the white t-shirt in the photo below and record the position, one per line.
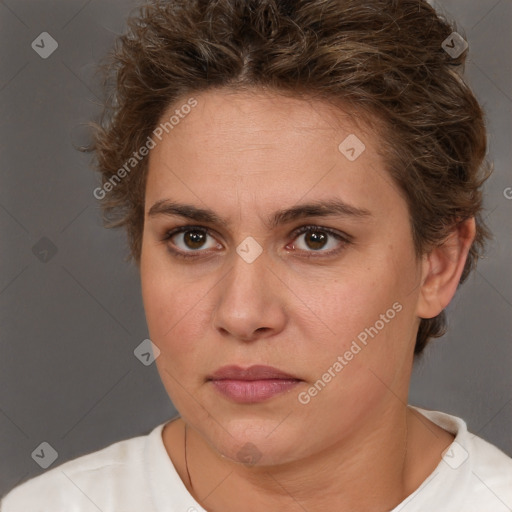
(137, 475)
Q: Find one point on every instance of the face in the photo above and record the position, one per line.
(271, 239)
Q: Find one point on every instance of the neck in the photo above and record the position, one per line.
(364, 471)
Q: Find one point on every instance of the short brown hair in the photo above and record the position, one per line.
(384, 58)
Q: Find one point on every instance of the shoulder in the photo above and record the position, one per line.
(469, 447)
(475, 474)
(89, 482)
(491, 472)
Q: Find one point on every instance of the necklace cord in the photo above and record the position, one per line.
(186, 460)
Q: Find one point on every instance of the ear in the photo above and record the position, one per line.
(442, 268)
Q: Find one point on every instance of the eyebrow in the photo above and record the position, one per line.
(327, 208)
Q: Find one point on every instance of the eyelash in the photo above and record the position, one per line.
(343, 238)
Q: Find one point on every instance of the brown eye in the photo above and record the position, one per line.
(189, 240)
(315, 240)
(194, 239)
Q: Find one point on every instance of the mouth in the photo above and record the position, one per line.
(251, 385)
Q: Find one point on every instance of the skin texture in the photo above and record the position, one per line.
(355, 445)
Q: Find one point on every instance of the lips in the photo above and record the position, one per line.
(251, 385)
(257, 372)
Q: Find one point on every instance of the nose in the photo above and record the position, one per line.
(250, 302)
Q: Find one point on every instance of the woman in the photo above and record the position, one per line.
(301, 186)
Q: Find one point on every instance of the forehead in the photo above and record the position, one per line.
(262, 147)
(256, 116)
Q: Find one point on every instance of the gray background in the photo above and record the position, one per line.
(71, 320)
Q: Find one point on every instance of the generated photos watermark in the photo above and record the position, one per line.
(137, 156)
(357, 345)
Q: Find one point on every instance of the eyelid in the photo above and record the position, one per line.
(188, 227)
(311, 227)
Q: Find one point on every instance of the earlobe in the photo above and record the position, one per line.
(442, 268)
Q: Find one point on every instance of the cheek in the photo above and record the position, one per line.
(348, 299)
(173, 315)
(177, 329)
(169, 301)
(366, 315)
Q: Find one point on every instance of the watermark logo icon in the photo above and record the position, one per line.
(146, 352)
(454, 45)
(44, 250)
(45, 455)
(352, 147)
(249, 250)
(455, 455)
(249, 454)
(44, 45)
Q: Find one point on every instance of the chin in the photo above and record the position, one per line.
(257, 443)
